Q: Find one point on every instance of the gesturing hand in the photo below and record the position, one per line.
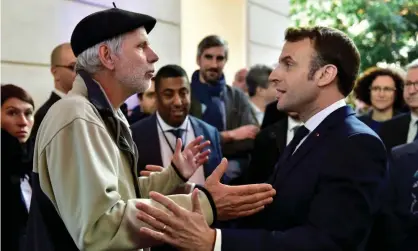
(237, 201)
(186, 230)
(191, 158)
(151, 169)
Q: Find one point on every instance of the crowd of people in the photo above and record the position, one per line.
(275, 160)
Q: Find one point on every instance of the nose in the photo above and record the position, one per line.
(275, 77)
(152, 56)
(177, 100)
(22, 121)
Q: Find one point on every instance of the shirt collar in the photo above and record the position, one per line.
(165, 127)
(291, 123)
(59, 93)
(256, 109)
(316, 119)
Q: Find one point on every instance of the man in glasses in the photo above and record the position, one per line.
(62, 69)
(404, 128)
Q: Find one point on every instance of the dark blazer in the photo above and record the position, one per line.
(41, 112)
(327, 193)
(238, 113)
(272, 115)
(402, 223)
(375, 125)
(268, 145)
(145, 136)
(394, 132)
(16, 162)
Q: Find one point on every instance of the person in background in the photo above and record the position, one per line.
(404, 128)
(226, 108)
(260, 91)
(147, 104)
(172, 121)
(381, 89)
(17, 108)
(63, 71)
(239, 80)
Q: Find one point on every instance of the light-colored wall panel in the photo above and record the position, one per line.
(37, 81)
(266, 27)
(29, 34)
(263, 55)
(279, 6)
(167, 10)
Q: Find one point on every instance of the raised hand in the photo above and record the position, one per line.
(192, 157)
(237, 201)
(150, 169)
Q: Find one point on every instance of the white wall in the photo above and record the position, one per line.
(267, 22)
(31, 29)
(226, 18)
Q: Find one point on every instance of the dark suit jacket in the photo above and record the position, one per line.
(41, 112)
(394, 132)
(238, 113)
(272, 115)
(403, 225)
(145, 136)
(268, 145)
(327, 193)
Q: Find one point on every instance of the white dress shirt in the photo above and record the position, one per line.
(413, 128)
(166, 153)
(311, 125)
(26, 191)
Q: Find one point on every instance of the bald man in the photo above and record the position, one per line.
(239, 80)
(63, 71)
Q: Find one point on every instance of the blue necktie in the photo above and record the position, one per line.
(416, 135)
(178, 133)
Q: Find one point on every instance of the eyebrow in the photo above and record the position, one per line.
(286, 58)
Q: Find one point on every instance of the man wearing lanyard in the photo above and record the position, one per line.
(171, 121)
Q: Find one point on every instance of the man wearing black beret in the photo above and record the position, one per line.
(85, 185)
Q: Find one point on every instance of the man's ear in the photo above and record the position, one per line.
(106, 58)
(327, 74)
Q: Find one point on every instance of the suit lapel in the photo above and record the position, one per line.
(313, 139)
(404, 129)
(198, 130)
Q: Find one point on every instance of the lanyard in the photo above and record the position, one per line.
(168, 143)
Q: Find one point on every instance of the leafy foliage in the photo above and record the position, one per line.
(383, 30)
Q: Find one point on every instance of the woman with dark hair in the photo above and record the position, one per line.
(17, 109)
(381, 89)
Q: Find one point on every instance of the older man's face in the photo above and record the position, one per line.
(134, 66)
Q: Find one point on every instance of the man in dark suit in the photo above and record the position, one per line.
(155, 136)
(404, 128)
(63, 71)
(222, 106)
(404, 178)
(328, 179)
(268, 145)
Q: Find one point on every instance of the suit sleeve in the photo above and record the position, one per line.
(341, 211)
(84, 186)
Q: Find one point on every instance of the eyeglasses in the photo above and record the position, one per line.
(69, 67)
(410, 83)
(384, 89)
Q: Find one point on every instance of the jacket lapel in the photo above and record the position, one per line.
(198, 130)
(281, 135)
(313, 139)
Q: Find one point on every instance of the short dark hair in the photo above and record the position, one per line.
(332, 46)
(363, 83)
(212, 41)
(169, 71)
(12, 91)
(257, 76)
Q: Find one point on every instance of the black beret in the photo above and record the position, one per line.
(103, 25)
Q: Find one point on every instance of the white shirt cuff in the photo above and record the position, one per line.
(218, 241)
(192, 187)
